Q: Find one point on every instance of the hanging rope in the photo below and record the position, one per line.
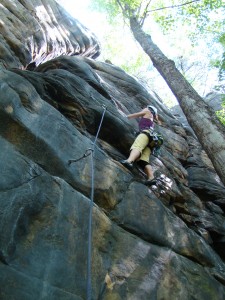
(89, 288)
(88, 152)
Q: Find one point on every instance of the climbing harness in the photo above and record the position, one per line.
(155, 140)
(90, 151)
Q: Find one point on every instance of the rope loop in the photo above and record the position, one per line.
(87, 153)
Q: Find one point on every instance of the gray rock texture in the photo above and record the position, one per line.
(159, 243)
(32, 32)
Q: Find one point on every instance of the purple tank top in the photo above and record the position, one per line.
(145, 124)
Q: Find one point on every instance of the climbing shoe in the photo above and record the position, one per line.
(127, 164)
(150, 182)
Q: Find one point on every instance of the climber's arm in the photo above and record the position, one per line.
(137, 115)
(157, 120)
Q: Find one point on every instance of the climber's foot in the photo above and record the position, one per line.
(127, 164)
(150, 182)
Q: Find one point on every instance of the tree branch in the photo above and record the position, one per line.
(172, 6)
(120, 5)
(145, 13)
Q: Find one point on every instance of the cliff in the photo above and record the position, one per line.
(162, 243)
(32, 32)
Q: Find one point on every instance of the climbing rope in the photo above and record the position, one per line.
(88, 152)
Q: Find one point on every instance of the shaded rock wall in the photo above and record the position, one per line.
(166, 243)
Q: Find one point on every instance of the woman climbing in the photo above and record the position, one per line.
(141, 148)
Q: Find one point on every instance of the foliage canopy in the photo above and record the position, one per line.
(199, 20)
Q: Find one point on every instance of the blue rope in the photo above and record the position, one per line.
(89, 287)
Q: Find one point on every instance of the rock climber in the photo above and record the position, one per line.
(140, 150)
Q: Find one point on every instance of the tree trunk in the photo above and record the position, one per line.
(207, 127)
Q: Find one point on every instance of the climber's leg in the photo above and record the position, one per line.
(137, 147)
(143, 162)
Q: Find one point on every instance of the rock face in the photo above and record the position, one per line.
(32, 32)
(166, 243)
(213, 99)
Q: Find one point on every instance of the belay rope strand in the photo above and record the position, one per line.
(89, 289)
(88, 152)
